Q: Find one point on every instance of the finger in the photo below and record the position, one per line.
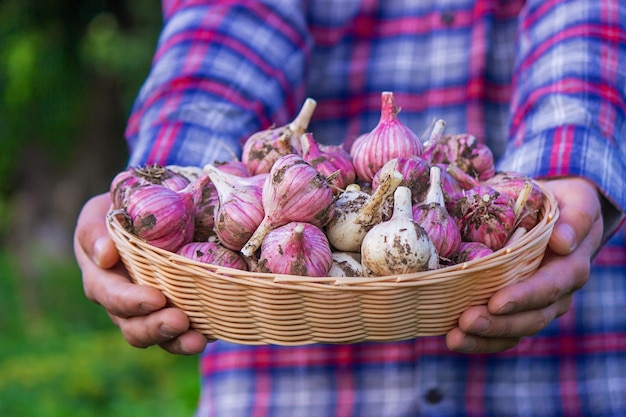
(113, 289)
(459, 341)
(158, 327)
(580, 211)
(557, 277)
(91, 235)
(478, 321)
(188, 343)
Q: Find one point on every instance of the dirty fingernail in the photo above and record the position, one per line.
(507, 308)
(467, 345)
(481, 325)
(167, 331)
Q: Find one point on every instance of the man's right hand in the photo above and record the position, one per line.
(138, 310)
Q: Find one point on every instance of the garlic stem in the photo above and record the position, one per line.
(435, 193)
(520, 202)
(298, 232)
(402, 207)
(257, 237)
(389, 110)
(437, 132)
(369, 213)
(517, 234)
(302, 120)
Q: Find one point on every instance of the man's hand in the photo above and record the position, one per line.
(525, 308)
(139, 311)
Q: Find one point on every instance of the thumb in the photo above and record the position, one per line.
(91, 235)
(579, 212)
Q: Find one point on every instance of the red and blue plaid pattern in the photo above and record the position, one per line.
(543, 83)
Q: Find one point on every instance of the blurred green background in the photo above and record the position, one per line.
(69, 72)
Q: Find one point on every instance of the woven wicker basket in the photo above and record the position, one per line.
(258, 308)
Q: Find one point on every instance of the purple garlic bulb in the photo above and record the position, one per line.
(433, 216)
(296, 248)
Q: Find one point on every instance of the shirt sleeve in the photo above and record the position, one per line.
(222, 70)
(569, 106)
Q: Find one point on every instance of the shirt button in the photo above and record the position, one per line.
(433, 396)
(447, 18)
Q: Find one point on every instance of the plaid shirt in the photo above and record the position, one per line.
(542, 82)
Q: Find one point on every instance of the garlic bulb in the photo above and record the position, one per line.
(484, 215)
(213, 253)
(433, 216)
(261, 150)
(389, 139)
(233, 167)
(293, 192)
(240, 208)
(331, 161)
(399, 245)
(343, 232)
(204, 217)
(296, 248)
(206, 208)
(523, 189)
(469, 251)
(357, 211)
(346, 264)
(124, 182)
(415, 175)
(466, 152)
(163, 217)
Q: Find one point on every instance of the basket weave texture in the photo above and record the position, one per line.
(260, 308)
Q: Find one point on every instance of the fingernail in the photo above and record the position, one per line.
(167, 331)
(481, 325)
(147, 307)
(98, 249)
(507, 308)
(567, 233)
(467, 345)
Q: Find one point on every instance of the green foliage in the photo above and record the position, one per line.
(96, 374)
(70, 360)
(40, 92)
(60, 354)
(122, 54)
(52, 54)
